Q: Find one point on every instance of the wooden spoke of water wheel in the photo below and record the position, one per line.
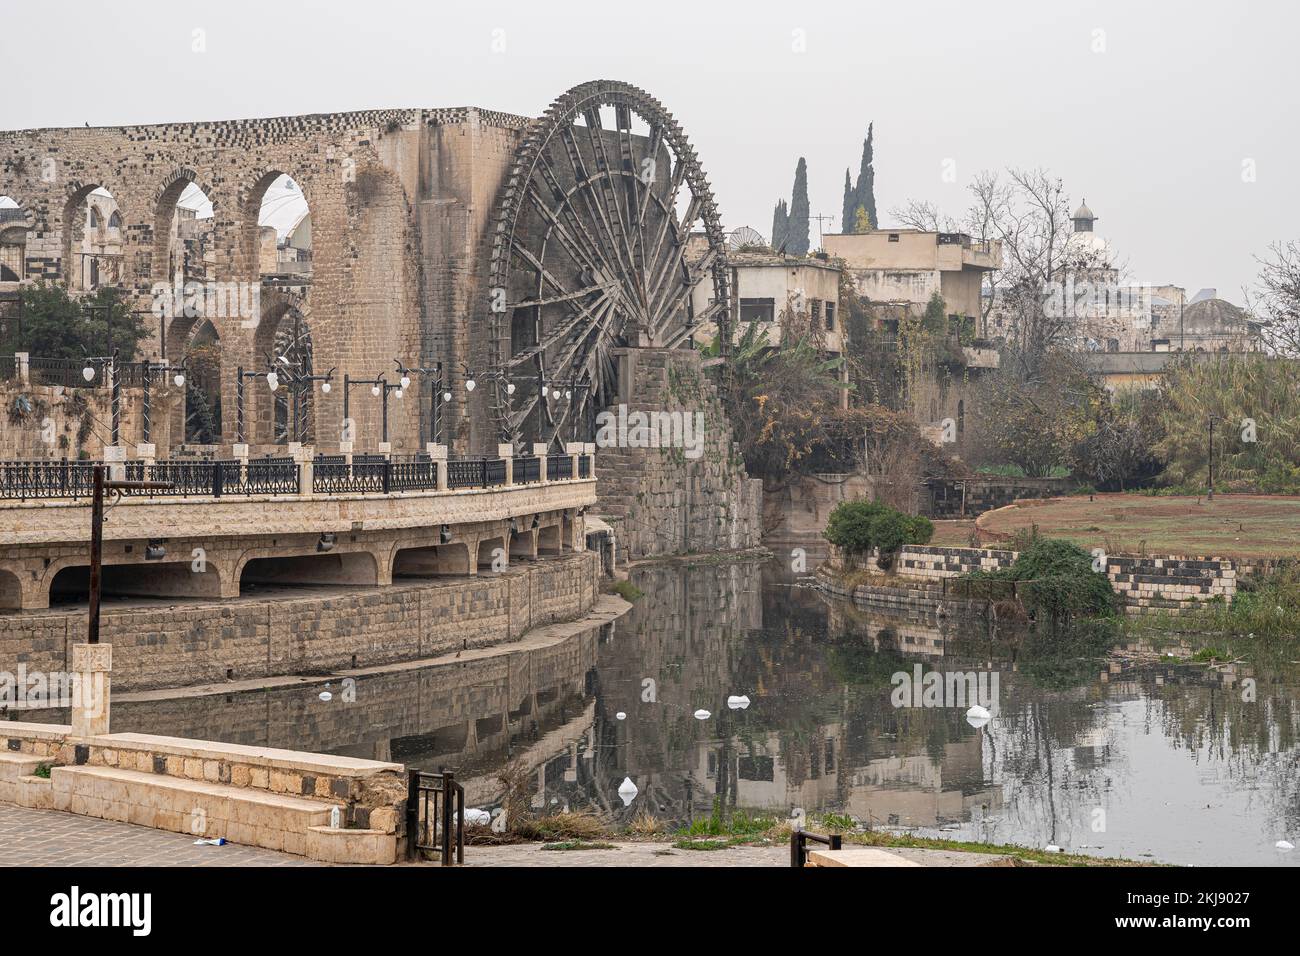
(596, 246)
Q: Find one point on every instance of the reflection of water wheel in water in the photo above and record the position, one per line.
(590, 253)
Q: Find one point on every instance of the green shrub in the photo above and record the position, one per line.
(859, 526)
(1057, 578)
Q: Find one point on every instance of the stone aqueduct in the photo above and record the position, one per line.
(400, 203)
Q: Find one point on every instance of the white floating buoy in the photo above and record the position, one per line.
(978, 716)
(326, 695)
(702, 714)
(620, 716)
(737, 702)
(1284, 845)
(1053, 848)
(627, 791)
(477, 817)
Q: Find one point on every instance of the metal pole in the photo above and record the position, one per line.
(347, 391)
(116, 399)
(96, 554)
(384, 385)
(1211, 451)
(144, 408)
(239, 405)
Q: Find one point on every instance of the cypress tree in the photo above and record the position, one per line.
(866, 185)
(849, 215)
(798, 226)
(780, 225)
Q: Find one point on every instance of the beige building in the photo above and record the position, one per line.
(904, 268)
(786, 296)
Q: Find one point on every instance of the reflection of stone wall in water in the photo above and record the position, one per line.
(458, 714)
(660, 500)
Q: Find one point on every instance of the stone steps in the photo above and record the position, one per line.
(15, 765)
(241, 815)
(20, 785)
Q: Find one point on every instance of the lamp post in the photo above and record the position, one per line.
(379, 387)
(109, 364)
(568, 387)
(436, 394)
(240, 376)
(151, 369)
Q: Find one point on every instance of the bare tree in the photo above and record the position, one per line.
(923, 215)
(1277, 301)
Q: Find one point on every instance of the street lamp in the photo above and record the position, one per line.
(146, 407)
(109, 363)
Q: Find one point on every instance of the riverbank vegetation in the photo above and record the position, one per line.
(1053, 580)
(861, 526)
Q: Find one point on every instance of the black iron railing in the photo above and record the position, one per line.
(46, 479)
(331, 474)
(584, 466)
(8, 367)
(435, 816)
(799, 844)
(559, 467)
(528, 468)
(69, 373)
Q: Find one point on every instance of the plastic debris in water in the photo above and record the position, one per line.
(477, 817)
(499, 821)
(737, 702)
(627, 791)
(1284, 845)
(326, 695)
(620, 716)
(978, 716)
(1053, 848)
(702, 714)
(219, 841)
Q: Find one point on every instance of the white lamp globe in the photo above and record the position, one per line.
(397, 393)
(406, 381)
(179, 380)
(374, 390)
(272, 380)
(446, 396)
(325, 387)
(510, 388)
(87, 373)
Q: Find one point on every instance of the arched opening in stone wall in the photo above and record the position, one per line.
(13, 240)
(548, 540)
(443, 559)
(523, 544)
(283, 341)
(184, 241)
(11, 591)
(93, 238)
(125, 582)
(281, 241)
(492, 554)
(354, 568)
(203, 385)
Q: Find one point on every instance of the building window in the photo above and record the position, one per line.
(94, 218)
(757, 310)
(816, 314)
(830, 316)
(893, 237)
(115, 221)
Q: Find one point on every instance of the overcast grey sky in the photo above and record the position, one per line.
(1154, 130)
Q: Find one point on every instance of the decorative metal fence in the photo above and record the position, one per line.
(528, 468)
(46, 479)
(559, 467)
(435, 816)
(331, 474)
(584, 466)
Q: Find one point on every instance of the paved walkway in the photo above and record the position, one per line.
(54, 838)
(664, 854)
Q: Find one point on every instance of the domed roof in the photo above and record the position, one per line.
(1083, 212)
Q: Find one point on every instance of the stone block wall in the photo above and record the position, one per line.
(169, 646)
(658, 500)
(970, 497)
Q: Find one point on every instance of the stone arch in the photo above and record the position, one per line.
(203, 408)
(164, 207)
(280, 566)
(420, 560)
(284, 331)
(11, 590)
(486, 552)
(247, 261)
(548, 539)
(69, 579)
(72, 228)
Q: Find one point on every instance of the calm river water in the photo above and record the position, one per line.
(1085, 751)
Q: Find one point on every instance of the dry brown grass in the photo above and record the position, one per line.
(569, 825)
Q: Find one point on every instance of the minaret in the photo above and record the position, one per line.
(1083, 218)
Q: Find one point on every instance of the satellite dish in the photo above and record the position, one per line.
(745, 236)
